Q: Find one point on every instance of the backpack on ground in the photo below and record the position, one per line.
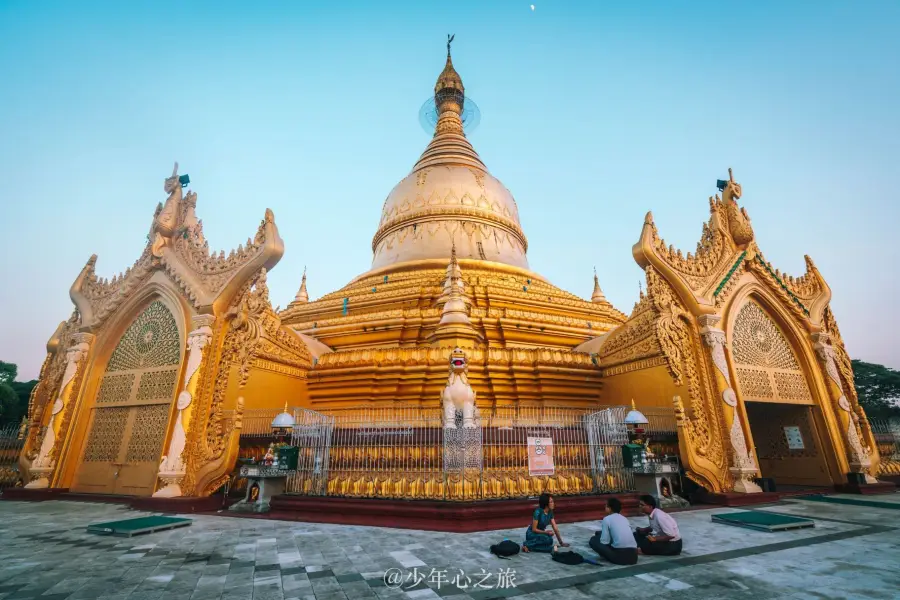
(568, 558)
(505, 549)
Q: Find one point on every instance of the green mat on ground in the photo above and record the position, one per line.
(130, 527)
(852, 501)
(763, 521)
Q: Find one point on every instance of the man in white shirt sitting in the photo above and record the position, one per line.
(662, 538)
(615, 542)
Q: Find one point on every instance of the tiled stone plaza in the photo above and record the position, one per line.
(853, 552)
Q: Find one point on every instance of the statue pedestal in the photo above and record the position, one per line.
(463, 449)
(262, 484)
(40, 477)
(656, 480)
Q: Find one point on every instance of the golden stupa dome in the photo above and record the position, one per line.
(449, 198)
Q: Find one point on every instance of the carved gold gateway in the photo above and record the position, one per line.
(766, 366)
(131, 411)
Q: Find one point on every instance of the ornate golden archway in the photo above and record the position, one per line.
(131, 410)
(778, 400)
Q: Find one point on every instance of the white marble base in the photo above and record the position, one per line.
(41, 483)
(268, 487)
(743, 482)
(172, 490)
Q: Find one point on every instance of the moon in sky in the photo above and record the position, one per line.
(532, 7)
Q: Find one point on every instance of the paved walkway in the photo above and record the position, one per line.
(853, 552)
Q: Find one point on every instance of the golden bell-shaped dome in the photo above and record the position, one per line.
(449, 198)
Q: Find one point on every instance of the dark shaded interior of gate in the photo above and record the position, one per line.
(788, 444)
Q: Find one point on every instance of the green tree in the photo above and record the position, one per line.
(8, 372)
(23, 391)
(9, 403)
(14, 395)
(878, 388)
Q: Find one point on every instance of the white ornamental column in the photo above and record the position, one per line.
(856, 454)
(743, 464)
(171, 468)
(42, 467)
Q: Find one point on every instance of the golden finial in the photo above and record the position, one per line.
(302, 294)
(633, 407)
(597, 296)
(449, 92)
(730, 175)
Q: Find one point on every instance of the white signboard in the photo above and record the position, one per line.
(794, 438)
(540, 456)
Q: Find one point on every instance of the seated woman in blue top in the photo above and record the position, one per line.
(537, 537)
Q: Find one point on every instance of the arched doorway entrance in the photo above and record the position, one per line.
(780, 407)
(130, 414)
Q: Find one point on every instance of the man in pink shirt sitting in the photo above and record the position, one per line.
(662, 538)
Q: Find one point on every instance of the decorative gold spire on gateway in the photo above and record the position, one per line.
(449, 197)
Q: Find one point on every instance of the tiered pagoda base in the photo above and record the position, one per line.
(425, 515)
(147, 504)
(882, 487)
(737, 499)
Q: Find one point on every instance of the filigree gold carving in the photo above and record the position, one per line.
(766, 365)
(148, 433)
(172, 468)
(681, 346)
(435, 356)
(252, 330)
(60, 415)
(743, 463)
(105, 437)
(761, 342)
(635, 365)
(781, 286)
(712, 256)
(738, 220)
(47, 387)
(859, 455)
(176, 245)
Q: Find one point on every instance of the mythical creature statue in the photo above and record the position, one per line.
(738, 220)
(165, 222)
(459, 395)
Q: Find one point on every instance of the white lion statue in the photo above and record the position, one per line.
(459, 395)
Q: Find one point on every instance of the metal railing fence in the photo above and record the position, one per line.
(12, 437)
(887, 437)
(401, 452)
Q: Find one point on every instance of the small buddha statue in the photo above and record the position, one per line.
(270, 456)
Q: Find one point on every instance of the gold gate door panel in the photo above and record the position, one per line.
(766, 367)
(786, 465)
(131, 412)
(776, 395)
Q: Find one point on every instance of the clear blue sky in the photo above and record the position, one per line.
(593, 113)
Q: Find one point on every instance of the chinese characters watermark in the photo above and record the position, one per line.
(437, 578)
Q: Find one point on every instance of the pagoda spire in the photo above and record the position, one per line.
(302, 294)
(455, 328)
(453, 270)
(449, 144)
(597, 296)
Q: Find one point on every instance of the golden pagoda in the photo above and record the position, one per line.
(146, 387)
